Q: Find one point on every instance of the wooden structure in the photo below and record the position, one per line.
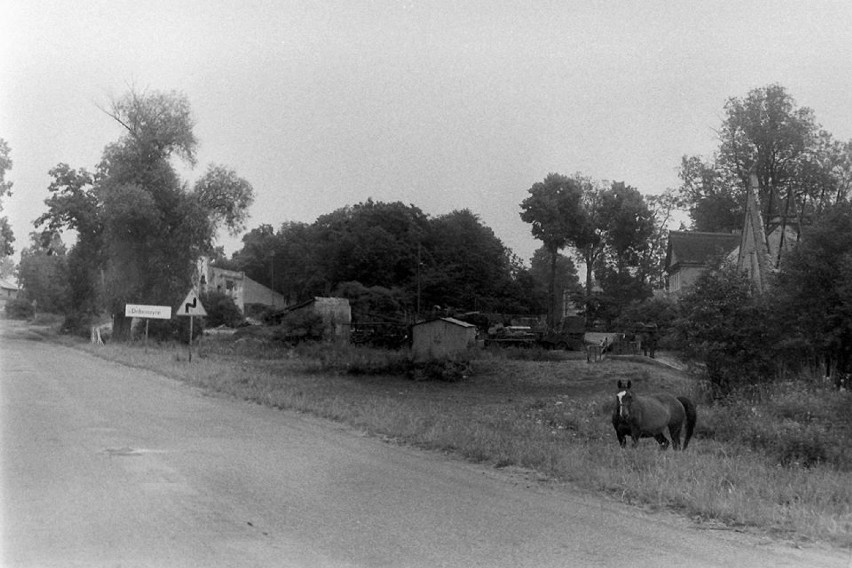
(762, 245)
(441, 338)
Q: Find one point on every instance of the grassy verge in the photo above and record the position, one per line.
(552, 416)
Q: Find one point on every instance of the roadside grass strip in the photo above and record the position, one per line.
(552, 417)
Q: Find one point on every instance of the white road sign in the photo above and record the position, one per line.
(152, 312)
(191, 306)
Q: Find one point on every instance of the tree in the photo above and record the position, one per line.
(715, 202)
(73, 204)
(43, 272)
(800, 168)
(813, 291)
(467, 266)
(555, 210)
(567, 283)
(766, 133)
(626, 227)
(226, 196)
(727, 325)
(662, 208)
(7, 237)
(140, 230)
(373, 243)
(610, 228)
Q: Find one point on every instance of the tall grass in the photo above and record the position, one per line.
(552, 416)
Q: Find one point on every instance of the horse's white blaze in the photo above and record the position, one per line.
(620, 397)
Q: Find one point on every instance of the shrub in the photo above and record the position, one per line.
(18, 308)
(175, 329)
(450, 371)
(726, 326)
(300, 326)
(801, 445)
(221, 310)
(79, 324)
(791, 424)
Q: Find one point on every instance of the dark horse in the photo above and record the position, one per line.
(648, 417)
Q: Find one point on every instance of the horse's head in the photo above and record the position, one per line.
(624, 400)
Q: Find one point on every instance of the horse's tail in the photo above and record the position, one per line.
(691, 418)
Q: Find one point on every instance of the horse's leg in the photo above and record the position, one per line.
(674, 432)
(661, 439)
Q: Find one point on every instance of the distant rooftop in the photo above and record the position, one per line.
(694, 248)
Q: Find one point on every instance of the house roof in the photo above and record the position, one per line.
(6, 285)
(694, 248)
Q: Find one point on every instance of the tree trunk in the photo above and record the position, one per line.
(588, 260)
(121, 326)
(551, 291)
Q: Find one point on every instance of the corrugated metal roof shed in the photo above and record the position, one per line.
(440, 338)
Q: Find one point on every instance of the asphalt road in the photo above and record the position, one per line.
(105, 465)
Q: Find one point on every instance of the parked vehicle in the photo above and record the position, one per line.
(568, 336)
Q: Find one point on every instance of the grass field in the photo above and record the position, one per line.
(779, 466)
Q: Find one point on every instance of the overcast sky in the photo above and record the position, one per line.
(441, 104)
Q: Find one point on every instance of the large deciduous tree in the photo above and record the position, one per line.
(610, 228)
(800, 168)
(467, 265)
(140, 230)
(556, 210)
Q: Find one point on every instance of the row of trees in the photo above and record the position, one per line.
(414, 261)
(617, 233)
(140, 228)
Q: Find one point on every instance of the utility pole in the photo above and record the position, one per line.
(417, 314)
(272, 279)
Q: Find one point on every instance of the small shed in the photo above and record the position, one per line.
(440, 338)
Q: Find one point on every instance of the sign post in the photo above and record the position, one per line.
(147, 312)
(191, 307)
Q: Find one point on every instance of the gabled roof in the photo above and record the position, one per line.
(6, 285)
(693, 248)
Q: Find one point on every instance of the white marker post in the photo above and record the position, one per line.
(147, 312)
(191, 307)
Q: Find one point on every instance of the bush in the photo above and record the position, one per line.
(727, 327)
(221, 310)
(793, 424)
(79, 324)
(446, 370)
(175, 329)
(18, 308)
(300, 326)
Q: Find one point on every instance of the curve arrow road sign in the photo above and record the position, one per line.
(191, 306)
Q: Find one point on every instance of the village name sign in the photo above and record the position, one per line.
(153, 312)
